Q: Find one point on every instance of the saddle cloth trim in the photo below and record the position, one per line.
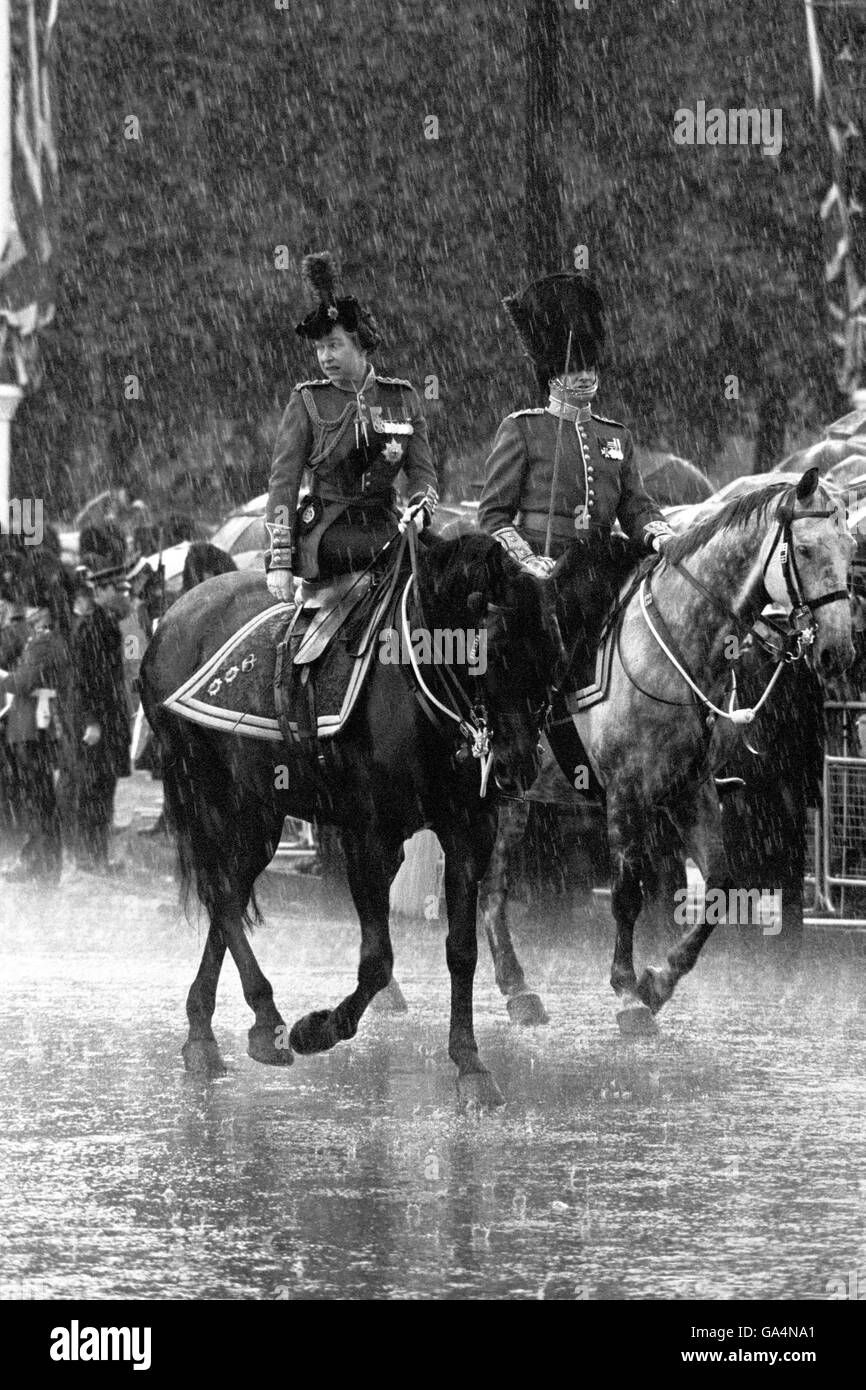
(598, 688)
(187, 705)
(181, 702)
(327, 725)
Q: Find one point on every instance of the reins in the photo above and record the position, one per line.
(473, 726)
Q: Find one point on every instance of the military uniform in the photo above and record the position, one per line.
(598, 481)
(354, 445)
(99, 699)
(37, 743)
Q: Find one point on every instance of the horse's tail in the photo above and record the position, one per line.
(201, 811)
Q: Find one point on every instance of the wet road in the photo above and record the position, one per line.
(723, 1160)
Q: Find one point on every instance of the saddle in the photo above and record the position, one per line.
(292, 671)
(609, 562)
(325, 655)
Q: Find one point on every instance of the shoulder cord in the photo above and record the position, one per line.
(331, 431)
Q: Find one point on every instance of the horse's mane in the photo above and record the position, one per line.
(462, 564)
(733, 516)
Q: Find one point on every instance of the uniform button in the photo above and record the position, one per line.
(591, 493)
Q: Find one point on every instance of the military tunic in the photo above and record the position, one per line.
(598, 481)
(354, 445)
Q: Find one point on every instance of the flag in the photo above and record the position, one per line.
(840, 214)
(26, 287)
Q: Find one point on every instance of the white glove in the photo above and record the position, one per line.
(92, 735)
(661, 541)
(413, 513)
(538, 565)
(280, 585)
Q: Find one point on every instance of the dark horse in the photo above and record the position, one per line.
(390, 772)
(649, 742)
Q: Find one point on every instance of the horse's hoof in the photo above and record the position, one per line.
(389, 1000)
(314, 1032)
(526, 1009)
(270, 1046)
(636, 1021)
(201, 1057)
(653, 988)
(478, 1091)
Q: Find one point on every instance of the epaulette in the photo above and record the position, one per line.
(602, 419)
(533, 410)
(323, 381)
(392, 381)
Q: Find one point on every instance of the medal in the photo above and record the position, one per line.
(393, 450)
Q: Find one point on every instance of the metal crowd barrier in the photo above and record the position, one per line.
(839, 880)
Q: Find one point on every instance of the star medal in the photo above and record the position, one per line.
(393, 450)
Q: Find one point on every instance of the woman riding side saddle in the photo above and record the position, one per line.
(354, 431)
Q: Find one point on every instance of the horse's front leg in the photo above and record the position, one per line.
(703, 840)
(523, 1005)
(467, 851)
(201, 1053)
(268, 1040)
(371, 866)
(633, 1014)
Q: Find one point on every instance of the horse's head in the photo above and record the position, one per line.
(806, 561)
(471, 583)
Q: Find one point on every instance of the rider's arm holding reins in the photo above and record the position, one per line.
(504, 477)
(422, 484)
(638, 515)
(292, 450)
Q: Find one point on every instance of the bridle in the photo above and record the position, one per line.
(475, 735)
(473, 726)
(801, 626)
(796, 632)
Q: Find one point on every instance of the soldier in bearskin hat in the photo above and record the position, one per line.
(354, 431)
(560, 471)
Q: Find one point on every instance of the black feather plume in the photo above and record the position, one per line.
(320, 272)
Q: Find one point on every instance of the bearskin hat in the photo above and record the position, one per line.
(547, 311)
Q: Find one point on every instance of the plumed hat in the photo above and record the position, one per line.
(547, 311)
(320, 273)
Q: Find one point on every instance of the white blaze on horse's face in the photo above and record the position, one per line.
(822, 551)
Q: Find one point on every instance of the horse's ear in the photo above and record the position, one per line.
(807, 484)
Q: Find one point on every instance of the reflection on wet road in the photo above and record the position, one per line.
(725, 1159)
